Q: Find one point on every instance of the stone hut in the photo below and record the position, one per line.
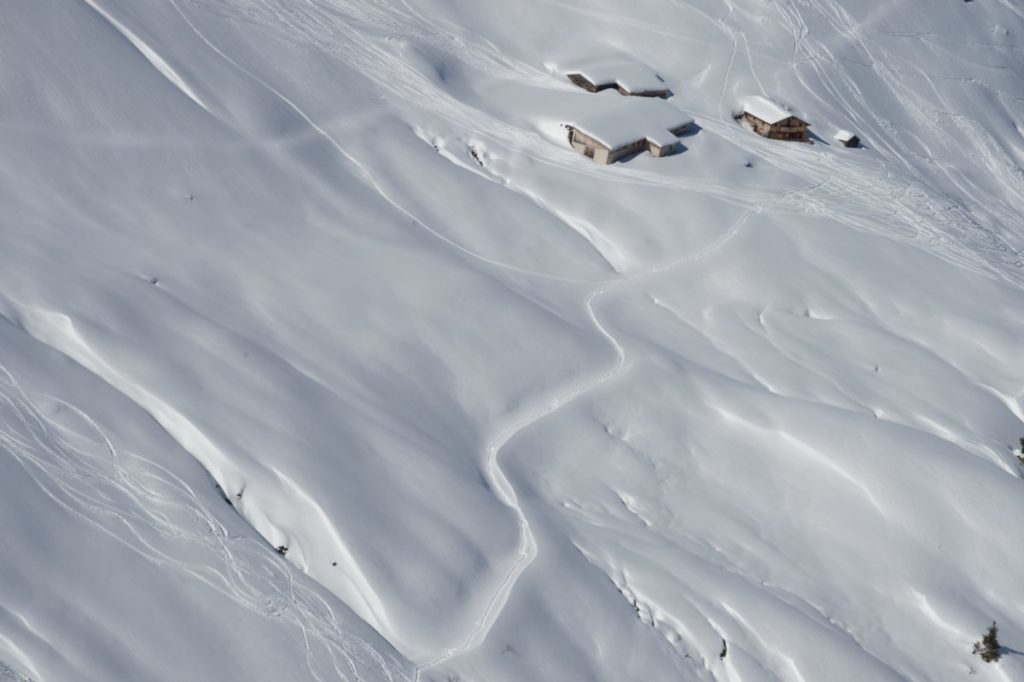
(772, 120)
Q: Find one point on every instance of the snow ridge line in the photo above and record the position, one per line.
(503, 488)
(57, 331)
(498, 479)
(151, 55)
(158, 514)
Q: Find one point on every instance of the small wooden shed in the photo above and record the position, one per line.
(772, 120)
(847, 139)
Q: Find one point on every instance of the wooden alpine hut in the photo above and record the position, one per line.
(772, 120)
(847, 139)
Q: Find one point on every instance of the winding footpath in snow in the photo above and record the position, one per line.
(529, 416)
(496, 476)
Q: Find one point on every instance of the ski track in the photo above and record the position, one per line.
(957, 227)
(339, 33)
(161, 518)
(951, 230)
(501, 483)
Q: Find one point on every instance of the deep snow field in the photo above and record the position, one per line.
(327, 275)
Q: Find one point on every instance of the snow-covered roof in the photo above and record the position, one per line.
(844, 135)
(632, 120)
(632, 76)
(662, 138)
(766, 109)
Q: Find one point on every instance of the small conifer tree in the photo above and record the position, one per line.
(988, 648)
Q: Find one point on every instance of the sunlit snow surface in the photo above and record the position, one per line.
(326, 274)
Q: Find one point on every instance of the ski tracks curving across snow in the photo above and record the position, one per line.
(161, 518)
(907, 211)
(532, 414)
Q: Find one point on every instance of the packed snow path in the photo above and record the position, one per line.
(499, 480)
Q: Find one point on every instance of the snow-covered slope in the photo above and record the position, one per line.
(326, 275)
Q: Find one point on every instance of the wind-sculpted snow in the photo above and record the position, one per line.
(149, 53)
(326, 275)
(157, 515)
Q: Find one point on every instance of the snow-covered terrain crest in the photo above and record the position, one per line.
(323, 355)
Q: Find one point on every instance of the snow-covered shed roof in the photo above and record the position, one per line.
(631, 76)
(766, 109)
(662, 138)
(632, 120)
(844, 135)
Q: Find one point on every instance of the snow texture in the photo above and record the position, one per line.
(326, 275)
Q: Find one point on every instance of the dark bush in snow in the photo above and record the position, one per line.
(988, 648)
